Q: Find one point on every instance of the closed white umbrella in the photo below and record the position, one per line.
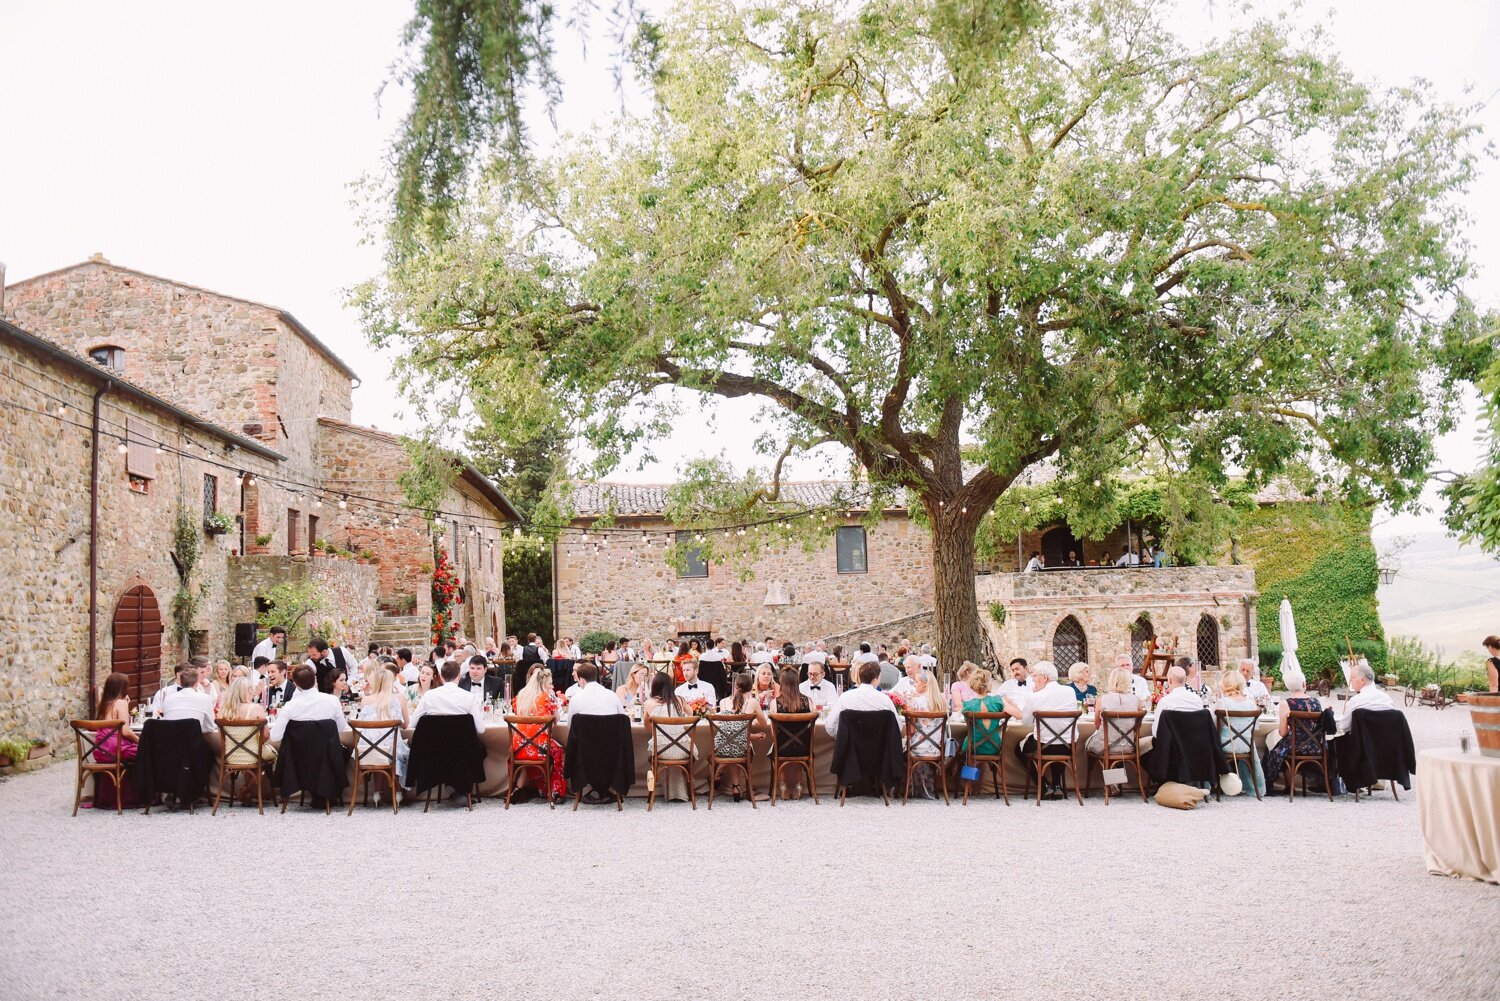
(1288, 639)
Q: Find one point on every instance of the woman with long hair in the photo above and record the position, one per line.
(929, 694)
(536, 699)
(731, 739)
(789, 697)
(114, 704)
(684, 654)
(765, 684)
(737, 654)
(382, 702)
(427, 680)
(637, 686)
(664, 702)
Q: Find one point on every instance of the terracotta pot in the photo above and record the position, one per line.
(1484, 711)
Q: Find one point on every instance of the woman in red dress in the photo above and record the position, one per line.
(537, 699)
(684, 654)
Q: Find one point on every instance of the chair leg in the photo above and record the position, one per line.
(692, 782)
(1327, 784)
(775, 781)
(906, 791)
(749, 784)
(1077, 789)
(220, 793)
(713, 780)
(812, 783)
(353, 793)
(260, 801)
(78, 788)
(578, 799)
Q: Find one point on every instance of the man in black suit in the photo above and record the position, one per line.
(474, 680)
(279, 687)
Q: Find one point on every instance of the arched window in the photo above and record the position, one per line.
(1069, 645)
(1208, 641)
(109, 356)
(1140, 631)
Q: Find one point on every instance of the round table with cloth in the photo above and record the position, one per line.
(1458, 803)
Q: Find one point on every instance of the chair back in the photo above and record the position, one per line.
(1237, 730)
(986, 739)
(1305, 729)
(89, 736)
(671, 737)
(1122, 730)
(717, 722)
(242, 742)
(793, 734)
(375, 741)
(926, 734)
(1056, 726)
(530, 737)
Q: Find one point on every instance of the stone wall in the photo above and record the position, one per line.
(628, 586)
(918, 628)
(349, 587)
(44, 535)
(1107, 602)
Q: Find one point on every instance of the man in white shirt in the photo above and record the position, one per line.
(761, 656)
(1035, 563)
(183, 701)
(1139, 686)
(1367, 694)
(1018, 685)
(715, 654)
(268, 647)
(1254, 687)
(627, 652)
(408, 668)
(447, 700)
(864, 696)
(1179, 697)
(863, 657)
(309, 704)
(593, 699)
(1128, 559)
(161, 693)
(693, 688)
(818, 689)
(907, 685)
(1046, 696)
(929, 662)
(817, 653)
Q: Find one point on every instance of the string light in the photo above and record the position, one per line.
(343, 502)
(123, 448)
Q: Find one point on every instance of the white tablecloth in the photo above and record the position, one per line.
(1458, 803)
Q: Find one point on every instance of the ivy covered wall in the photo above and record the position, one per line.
(1321, 557)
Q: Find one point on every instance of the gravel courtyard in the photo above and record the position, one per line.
(1234, 900)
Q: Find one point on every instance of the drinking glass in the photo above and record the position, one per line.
(1465, 738)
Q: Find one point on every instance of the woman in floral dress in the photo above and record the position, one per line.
(537, 699)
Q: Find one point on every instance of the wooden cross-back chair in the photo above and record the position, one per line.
(925, 744)
(88, 736)
(717, 764)
(792, 747)
(982, 730)
(1052, 729)
(1122, 746)
(529, 735)
(1306, 726)
(375, 742)
(665, 748)
(242, 753)
(1237, 740)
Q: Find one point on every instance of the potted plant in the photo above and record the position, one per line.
(16, 751)
(217, 523)
(264, 540)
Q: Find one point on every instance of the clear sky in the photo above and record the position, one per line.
(216, 143)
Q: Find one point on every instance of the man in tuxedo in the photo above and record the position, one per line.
(268, 647)
(531, 653)
(279, 688)
(474, 680)
(693, 688)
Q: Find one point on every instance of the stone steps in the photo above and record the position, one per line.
(412, 631)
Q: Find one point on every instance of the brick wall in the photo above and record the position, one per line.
(349, 587)
(629, 586)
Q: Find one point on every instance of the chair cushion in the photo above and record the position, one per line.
(1179, 796)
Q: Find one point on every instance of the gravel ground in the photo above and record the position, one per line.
(1233, 900)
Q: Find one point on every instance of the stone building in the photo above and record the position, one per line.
(860, 578)
(230, 412)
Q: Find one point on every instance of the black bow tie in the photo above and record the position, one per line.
(692, 684)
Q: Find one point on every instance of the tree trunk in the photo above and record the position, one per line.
(960, 636)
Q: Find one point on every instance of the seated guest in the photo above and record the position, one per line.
(449, 700)
(1080, 679)
(863, 657)
(692, 688)
(185, 701)
(890, 675)
(338, 685)
(407, 667)
(664, 703)
(608, 656)
(427, 680)
(1278, 749)
(161, 693)
(1193, 679)
(1254, 687)
(376, 692)
(789, 697)
(1234, 699)
(927, 695)
(1140, 686)
(1046, 696)
(538, 699)
(987, 740)
(1367, 694)
(279, 687)
(308, 704)
(731, 739)
(1035, 563)
(1492, 663)
(862, 697)
(817, 688)
(912, 668)
(114, 704)
(1020, 679)
(474, 681)
(1117, 698)
(1179, 697)
(593, 699)
(764, 689)
(961, 691)
(637, 686)
(737, 653)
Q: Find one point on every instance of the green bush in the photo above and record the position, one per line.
(528, 588)
(1270, 658)
(593, 641)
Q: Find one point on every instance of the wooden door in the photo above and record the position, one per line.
(137, 641)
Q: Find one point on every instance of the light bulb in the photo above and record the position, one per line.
(344, 502)
(122, 447)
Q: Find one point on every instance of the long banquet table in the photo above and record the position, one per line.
(496, 738)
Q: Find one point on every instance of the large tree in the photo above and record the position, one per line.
(964, 241)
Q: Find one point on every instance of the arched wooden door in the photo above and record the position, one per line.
(137, 641)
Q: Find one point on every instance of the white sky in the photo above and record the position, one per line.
(215, 144)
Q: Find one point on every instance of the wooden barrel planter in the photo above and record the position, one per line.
(1484, 710)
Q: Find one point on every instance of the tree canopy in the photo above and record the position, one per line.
(963, 241)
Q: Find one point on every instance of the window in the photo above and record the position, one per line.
(1208, 641)
(292, 517)
(210, 494)
(1140, 631)
(312, 529)
(109, 356)
(1069, 645)
(693, 562)
(140, 453)
(851, 547)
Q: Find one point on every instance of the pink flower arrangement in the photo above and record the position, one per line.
(899, 700)
(700, 706)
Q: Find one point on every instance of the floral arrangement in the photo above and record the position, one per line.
(899, 700)
(445, 597)
(700, 707)
(1155, 698)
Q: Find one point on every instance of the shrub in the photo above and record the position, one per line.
(593, 641)
(264, 540)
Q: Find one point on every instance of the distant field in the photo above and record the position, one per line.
(1445, 595)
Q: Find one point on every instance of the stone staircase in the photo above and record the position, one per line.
(411, 631)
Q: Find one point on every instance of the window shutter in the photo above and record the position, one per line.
(140, 456)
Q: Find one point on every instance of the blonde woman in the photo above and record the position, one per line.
(963, 689)
(219, 679)
(240, 704)
(536, 699)
(637, 687)
(382, 701)
(928, 696)
(1118, 697)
